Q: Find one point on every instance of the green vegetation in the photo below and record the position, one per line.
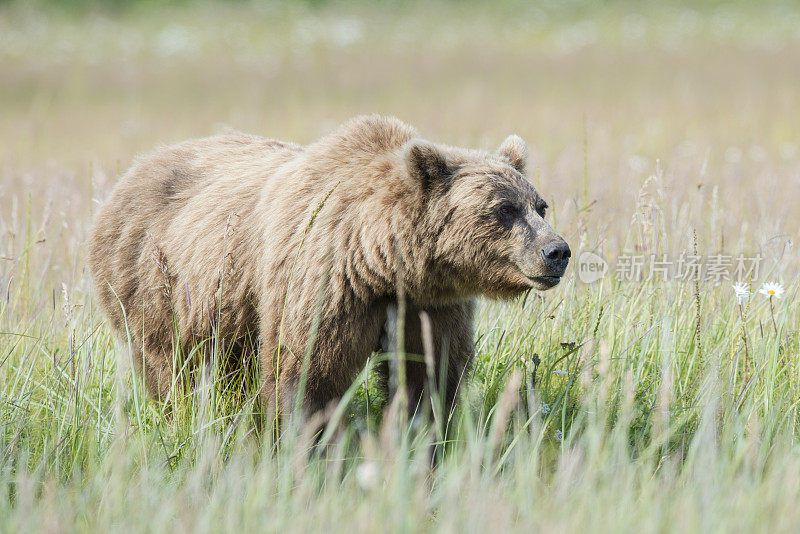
(654, 129)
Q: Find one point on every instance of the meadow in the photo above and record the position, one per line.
(652, 399)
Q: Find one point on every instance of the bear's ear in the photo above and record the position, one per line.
(515, 151)
(425, 162)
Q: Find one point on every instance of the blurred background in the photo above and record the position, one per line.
(645, 120)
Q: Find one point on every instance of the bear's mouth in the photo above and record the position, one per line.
(545, 282)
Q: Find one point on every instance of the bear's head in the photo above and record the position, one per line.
(486, 220)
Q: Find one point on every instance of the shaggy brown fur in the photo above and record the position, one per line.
(236, 236)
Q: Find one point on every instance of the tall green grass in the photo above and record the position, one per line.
(635, 420)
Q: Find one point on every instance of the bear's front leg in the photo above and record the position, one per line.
(450, 339)
(335, 353)
(154, 364)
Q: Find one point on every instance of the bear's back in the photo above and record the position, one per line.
(168, 203)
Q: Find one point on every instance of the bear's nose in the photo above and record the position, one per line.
(556, 257)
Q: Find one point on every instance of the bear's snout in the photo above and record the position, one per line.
(556, 257)
(544, 265)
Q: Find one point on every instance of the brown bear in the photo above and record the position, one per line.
(236, 237)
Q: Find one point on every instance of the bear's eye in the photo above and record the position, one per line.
(506, 210)
(541, 209)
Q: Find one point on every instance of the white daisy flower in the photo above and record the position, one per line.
(742, 292)
(367, 475)
(771, 289)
